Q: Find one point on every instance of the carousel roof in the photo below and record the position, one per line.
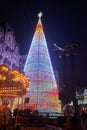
(12, 82)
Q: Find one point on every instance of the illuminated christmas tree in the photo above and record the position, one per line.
(43, 93)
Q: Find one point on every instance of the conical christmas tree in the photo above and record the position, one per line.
(43, 93)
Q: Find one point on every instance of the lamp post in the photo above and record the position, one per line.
(67, 55)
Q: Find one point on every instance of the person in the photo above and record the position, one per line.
(75, 124)
(67, 123)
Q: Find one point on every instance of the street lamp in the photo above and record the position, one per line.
(68, 54)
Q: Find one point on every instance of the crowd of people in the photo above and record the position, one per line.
(27, 117)
(66, 122)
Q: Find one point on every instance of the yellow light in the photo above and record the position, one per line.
(13, 81)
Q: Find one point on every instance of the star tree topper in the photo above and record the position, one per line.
(40, 15)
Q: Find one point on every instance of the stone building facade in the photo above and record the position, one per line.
(9, 49)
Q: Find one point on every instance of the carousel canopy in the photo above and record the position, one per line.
(12, 82)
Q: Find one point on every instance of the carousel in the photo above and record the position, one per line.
(13, 86)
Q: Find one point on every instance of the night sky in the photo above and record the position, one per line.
(63, 22)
